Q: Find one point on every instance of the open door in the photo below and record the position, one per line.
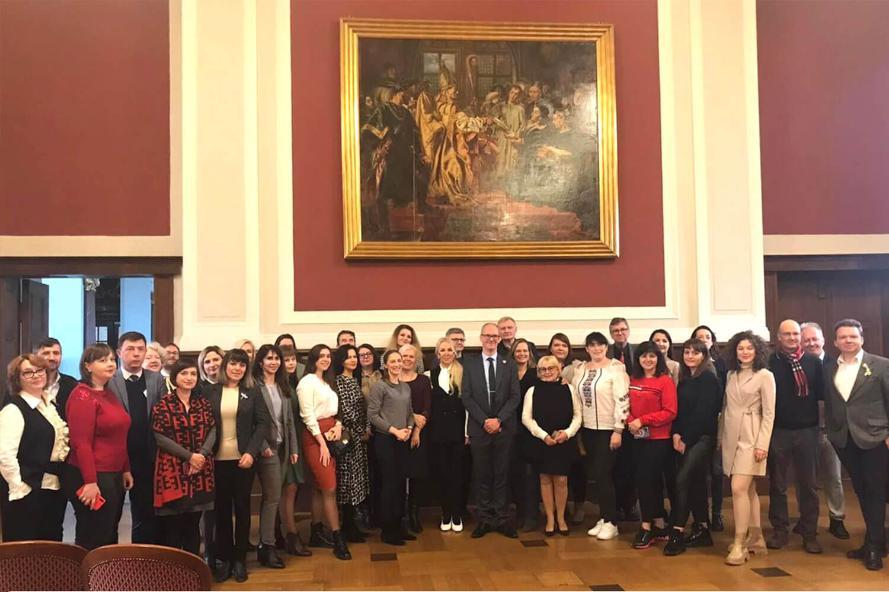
(9, 321)
(34, 313)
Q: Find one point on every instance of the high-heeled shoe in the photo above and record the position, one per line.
(737, 555)
(564, 532)
(549, 533)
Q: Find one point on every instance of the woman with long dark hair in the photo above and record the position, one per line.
(694, 437)
(280, 451)
(184, 479)
(652, 410)
(352, 478)
(318, 407)
(748, 418)
(662, 339)
(242, 425)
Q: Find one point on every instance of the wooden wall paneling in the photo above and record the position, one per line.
(34, 313)
(771, 294)
(162, 309)
(9, 322)
(89, 266)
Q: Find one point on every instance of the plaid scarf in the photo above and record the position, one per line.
(802, 384)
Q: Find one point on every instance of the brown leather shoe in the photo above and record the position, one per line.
(811, 545)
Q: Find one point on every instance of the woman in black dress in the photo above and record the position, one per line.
(560, 347)
(421, 403)
(553, 417)
(446, 434)
(352, 480)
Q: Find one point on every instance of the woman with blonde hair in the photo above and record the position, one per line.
(552, 413)
(447, 434)
(405, 335)
(156, 360)
(249, 347)
(209, 364)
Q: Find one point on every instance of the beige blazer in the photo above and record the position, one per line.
(747, 420)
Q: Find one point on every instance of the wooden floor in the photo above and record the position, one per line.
(449, 561)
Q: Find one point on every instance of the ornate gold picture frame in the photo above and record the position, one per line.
(464, 140)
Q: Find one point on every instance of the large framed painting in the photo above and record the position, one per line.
(465, 140)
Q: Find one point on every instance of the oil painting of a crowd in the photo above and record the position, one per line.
(478, 141)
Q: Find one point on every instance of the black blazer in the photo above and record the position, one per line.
(629, 355)
(252, 422)
(66, 385)
(475, 396)
(447, 420)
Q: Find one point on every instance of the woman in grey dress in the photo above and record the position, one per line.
(352, 480)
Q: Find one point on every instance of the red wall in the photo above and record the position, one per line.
(84, 117)
(824, 115)
(325, 281)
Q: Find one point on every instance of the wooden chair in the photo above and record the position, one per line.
(144, 567)
(40, 565)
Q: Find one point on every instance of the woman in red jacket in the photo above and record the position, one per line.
(652, 410)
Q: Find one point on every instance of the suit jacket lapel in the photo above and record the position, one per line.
(859, 380)
(120, 389)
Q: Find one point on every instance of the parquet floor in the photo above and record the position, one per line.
(449, 561)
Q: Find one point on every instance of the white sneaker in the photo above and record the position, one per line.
(457, 525)
(595, 530)
(607, 532)
(446, 526)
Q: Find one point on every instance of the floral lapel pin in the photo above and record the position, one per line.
(867, 371)
(243, 395)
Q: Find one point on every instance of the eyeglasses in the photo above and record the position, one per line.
(460, 339)
(486, 336)
(366, 355)
(547, 368)
(30, 374)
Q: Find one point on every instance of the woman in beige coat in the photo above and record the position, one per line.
(747, 419)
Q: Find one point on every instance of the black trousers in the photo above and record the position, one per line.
(181, 531)
(690, 493)
(651, 456)
(145, 527)
(867, 468)
(524, 482)
(577, 480)
(717, 478)
(623, 474)
(36, 517)
(600, 461)
(490, 468)
(392, 464)
(446, 459)
(95, 528)
(800, 449)
(233, 487)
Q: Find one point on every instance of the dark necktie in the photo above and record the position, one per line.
(133, 378)
(492, 381)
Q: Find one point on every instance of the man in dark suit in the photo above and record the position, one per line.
(490, 393)
(58, 385)
(138, 391)
(829, 469)
(799, 386)
(856, 406)
(621, 349)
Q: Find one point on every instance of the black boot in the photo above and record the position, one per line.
(675, 545)
(239, 569)
(268, 556)
(362, 518)
(319, 538)
(349, 529)
(223, 572)
(340, 550)
(716, 524)
(699, 537)
(280, 543)
(296, 546)
(391, 534)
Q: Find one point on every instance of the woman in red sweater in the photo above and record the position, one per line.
(652, 410)
(99, 468)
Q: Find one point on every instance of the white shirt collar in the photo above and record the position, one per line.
(857, 360)
(486, 356)
(30, 399)
(126, 374)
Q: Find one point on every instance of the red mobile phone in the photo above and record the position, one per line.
(100, 501)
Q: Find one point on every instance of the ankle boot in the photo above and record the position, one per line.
(362, 519)
(737, 554)
(318, 537)
(349, 529)
(280, 543)
(755, 542)
(268, 556)
(295, 545)
(340, 550)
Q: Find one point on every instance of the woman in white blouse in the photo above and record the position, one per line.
(33, 449)
(318, 406)
(552, 413)
(601, 385)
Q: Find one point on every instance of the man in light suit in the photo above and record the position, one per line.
(490, 393)
(138, 391)
(856, 406)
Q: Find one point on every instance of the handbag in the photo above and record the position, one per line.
(340, 447)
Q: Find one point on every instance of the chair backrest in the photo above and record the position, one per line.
(40, 565)
(144, 567)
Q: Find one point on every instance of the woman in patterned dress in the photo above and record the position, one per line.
(352, 479)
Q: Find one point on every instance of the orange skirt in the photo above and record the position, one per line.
(325, 477)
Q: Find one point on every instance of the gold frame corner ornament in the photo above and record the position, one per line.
(354, 248)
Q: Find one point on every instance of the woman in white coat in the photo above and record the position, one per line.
(748, 417)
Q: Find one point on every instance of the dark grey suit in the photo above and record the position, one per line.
(144, 528)
(490, 452)
(858, 429)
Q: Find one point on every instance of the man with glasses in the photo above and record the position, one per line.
(490, 393)
(457, 335)
(621, 349)
(58, 385)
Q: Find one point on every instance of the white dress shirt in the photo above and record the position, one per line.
(846, 374)
(52, 390)
(12, 426)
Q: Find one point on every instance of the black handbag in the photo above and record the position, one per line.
(338, 448)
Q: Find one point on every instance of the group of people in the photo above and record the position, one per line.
(370, 432)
